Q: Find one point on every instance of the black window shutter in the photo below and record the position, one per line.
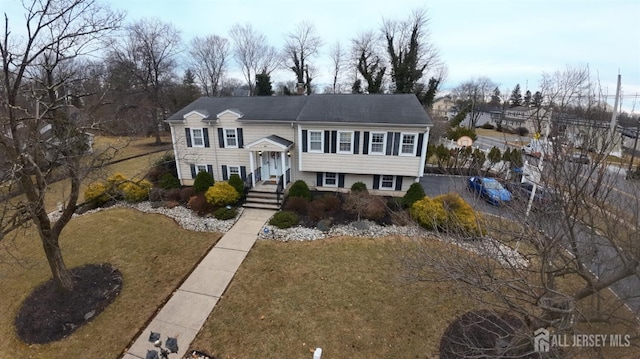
(334, 139)
(398, 183)
(326, 141)
(319, 179)
(420, 142)
(389, 143)
(304, 140)
(187, 133)
(225, 176)
(193, 171)
(240, 139)
(356, 142)
(243, 172)
(210, 169)
(376, 181)
(341, 180)
(220, 138)
(205, 134)
(396, 143)
(365, 143)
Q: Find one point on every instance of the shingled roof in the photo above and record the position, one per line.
(375, 109)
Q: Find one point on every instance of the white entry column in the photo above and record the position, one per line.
(252, 167)
(284, 170)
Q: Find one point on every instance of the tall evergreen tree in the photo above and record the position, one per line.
(356, 88)
(516, 97)
(527, 98)
(263, 84)
(495, 98)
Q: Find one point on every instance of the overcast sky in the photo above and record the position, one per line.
(509, 41)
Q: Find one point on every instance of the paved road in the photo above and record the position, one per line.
(603, 258)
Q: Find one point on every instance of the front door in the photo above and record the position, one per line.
(271, 163)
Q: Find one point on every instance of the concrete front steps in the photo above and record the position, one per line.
(263, 200)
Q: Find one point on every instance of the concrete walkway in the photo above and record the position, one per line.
(187, 310)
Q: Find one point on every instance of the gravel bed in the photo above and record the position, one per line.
(185, 217)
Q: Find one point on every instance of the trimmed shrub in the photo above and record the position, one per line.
(236, 182)
(136, 191)
(156, 173)
(487, 126)
(202, 182)
(168, 181)
(329, 204)
(359, 187)
(297, 205)
(396, 203)
(365, 206)
(186, 194)
(157, 194)
(284, 219)
(300, 189)
(522, 131)
(222, 194)
(447, 212)
(223, 213)
(96, 193)
(174, 195)
(199, 204)
(414, 193)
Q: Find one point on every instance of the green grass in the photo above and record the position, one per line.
(345, 295)
(153, 253)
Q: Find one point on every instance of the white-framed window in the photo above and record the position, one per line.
(377, 143)
(388, 182)
(408, 144)
(345, 141)
(233, 170)
(197, 138)
(201, 168)
(316, 141)
(330, 179)
(230, 137)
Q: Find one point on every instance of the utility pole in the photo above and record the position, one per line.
(614, 115)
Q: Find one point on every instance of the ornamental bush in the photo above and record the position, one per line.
(199, 204)
(297, 205)
(168, 181)
(223, 213)
(203, 181)
(414, 193)
(284, 219)
(96, 193)
(447, 212)
(136, 191)
(222, 194)
(362, 205)
(236, 182)
(300, 189)
(359, 187)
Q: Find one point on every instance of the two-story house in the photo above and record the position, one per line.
(329, 141)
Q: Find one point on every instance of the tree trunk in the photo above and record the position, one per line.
(59, 270)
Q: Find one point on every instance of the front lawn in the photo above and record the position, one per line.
(345, 295)
(153, 253)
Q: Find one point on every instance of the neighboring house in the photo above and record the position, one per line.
(579, 132)
(329, 141)
(442, 107)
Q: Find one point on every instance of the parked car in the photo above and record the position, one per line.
(544, 198)
(489, 189)
(579, 158)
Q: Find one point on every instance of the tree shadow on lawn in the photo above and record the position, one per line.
(50, 314)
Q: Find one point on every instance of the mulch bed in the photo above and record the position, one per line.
(49, 314)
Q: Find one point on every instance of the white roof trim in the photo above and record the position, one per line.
(264, 139)
(195, 112)
(233, 112)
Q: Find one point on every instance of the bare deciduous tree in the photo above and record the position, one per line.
(41, 135)
(473, 95)
(368, 60)
(338, 58)
(148, 53)
(209, 57)
(253, 52)
(411, 54)
(301, 45)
